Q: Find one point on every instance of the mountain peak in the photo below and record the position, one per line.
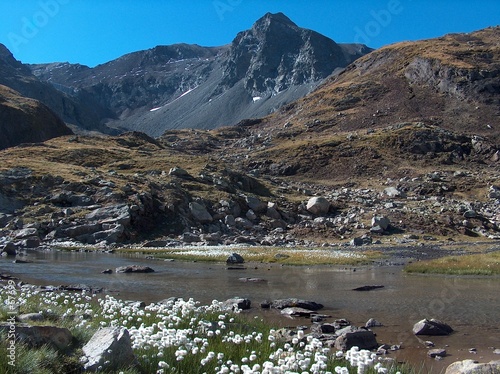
(269, 18)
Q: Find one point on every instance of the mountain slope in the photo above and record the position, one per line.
(396, 112)
(188, 86)
(452, 81)
(24, 120)
(81, 115)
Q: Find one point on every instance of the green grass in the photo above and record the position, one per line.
(475, 264)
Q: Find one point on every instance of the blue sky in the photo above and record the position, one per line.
(91, 32)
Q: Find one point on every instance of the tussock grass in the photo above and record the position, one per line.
(475, 264)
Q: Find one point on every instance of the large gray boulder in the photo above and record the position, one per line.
(37, 336)
(431, 327)
(393, 192)
(109, 348)
(363, 339)
(200, 213)
(381, 221)
(119, 214)
(237, 303)
(472, 367)
(318, 205)
(134, 269)
(255, 204)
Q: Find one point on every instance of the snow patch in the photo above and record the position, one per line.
(185, 93)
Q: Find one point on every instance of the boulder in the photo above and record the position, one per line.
(67, 199)
(381, 221)
(9, 205)
(243, 223)
(272, 212)
(295, 303)
(5, 219)
(494, 192)
(318, 205)
(189, 237)
(364, 339)
(236, 303)
(134, 269)
(10, 249)
(33, 242)
(179, 172)
(109, 348)
(431, 327)
(37, 336)
(119, 213)
(473, 367)
(250, 215)
(26, 233)
(235, 258)
(112, 235)
(255, 204)
(229, 220)
(297, 312)
(80, 230)
(437, 352)
(393, 192)
(372, 322)
(361, 240)
(200, 213)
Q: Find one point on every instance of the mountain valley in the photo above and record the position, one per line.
(330, 145)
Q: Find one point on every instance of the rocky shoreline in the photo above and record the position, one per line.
(101, 213)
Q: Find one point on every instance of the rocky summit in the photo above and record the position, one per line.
(401, 146)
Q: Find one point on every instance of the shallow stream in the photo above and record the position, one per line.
(471, 305)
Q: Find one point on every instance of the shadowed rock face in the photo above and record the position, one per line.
(189, 86)
(81, 114)
(24, 120)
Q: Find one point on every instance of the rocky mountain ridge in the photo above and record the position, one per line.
(374, 155)
(81, 115)
(188, 86)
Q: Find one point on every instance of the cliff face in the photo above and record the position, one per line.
(24, 120)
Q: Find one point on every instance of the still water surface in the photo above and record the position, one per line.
(471, 305)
